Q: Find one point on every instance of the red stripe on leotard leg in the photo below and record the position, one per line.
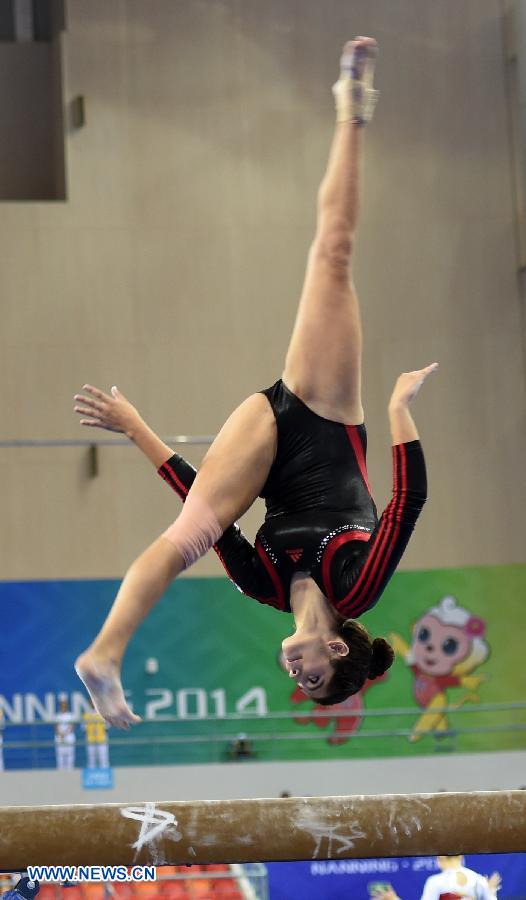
(174, 482)
(276, 581)
(330, 550)
(379, 541)
(354, 437)
(233, 580)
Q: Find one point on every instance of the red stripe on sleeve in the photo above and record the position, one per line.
(397, 518)
(371, 566)
(171, 478)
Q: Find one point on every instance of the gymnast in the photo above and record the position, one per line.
(321, 554)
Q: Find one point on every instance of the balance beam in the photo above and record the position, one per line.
(237, 831)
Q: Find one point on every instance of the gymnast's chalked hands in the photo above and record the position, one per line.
(408, 385)
(110, 411)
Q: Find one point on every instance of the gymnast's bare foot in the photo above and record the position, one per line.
(101, 676)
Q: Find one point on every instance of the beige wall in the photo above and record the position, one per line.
(175, 266)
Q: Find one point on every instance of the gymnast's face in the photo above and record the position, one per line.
(309, 660)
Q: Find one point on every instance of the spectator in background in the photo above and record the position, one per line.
(241, 748)
(65, 738)
(455, 880)
(22, 889)
(97, 751)
(7, 881)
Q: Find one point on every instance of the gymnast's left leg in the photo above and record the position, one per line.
(231, 476)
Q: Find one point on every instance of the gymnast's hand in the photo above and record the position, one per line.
(408, 385)
(110, 411)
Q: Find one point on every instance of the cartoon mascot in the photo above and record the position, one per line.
(448, 645)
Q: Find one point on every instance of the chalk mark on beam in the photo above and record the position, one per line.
(164, 824)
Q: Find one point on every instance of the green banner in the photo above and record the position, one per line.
(459, 644)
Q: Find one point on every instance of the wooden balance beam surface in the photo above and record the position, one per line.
(227, 831)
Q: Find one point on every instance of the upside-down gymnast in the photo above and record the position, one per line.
(321, 553)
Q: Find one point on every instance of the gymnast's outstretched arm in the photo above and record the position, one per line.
(113, 412)
(356, 588)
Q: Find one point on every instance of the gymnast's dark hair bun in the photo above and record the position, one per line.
(366, 659)
(382, 658)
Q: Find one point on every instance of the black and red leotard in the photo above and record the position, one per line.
(321, 518)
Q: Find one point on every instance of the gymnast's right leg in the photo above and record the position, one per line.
(323, 364)
(231, 476)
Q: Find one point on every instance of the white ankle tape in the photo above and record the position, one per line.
(195, 530)
(353, 92)
(355, 102)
